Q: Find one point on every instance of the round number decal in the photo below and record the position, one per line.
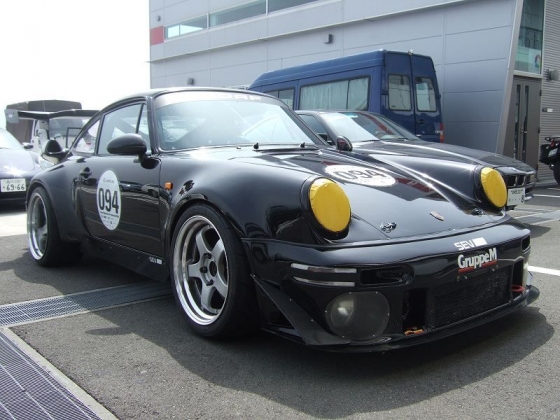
(109, 200)
(360, 175)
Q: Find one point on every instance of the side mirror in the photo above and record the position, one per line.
(54, 151)
(128, 145)
(343, 144)
(325, 137)
(27, 145)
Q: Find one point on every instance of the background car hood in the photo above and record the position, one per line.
(422, 148)
(21, 160)
(388, 199)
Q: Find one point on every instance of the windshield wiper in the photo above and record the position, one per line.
(284, 146)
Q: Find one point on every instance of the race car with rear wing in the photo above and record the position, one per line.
(259, 223)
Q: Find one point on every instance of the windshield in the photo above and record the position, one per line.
(195, 119)
(366, 126)
(7, 141)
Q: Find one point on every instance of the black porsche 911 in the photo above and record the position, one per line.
(17, 166)
(373, 133)
(258, 223)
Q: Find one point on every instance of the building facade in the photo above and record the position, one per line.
(495, 59)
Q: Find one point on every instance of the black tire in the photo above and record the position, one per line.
(43, 235)
(556, 171)
(210, 275)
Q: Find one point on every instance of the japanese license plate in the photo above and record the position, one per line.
(12, 185)
(552, 152)
(516, 196)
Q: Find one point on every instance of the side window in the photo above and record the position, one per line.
(358, 90)
(399, 92)
(425, 94)
(86, 142)
(342, 94)
(286, 96)
(122, 121)
(313, 123)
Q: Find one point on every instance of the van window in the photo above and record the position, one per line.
(425, 94)
(399, 92)
(286, 96)
(342, 94)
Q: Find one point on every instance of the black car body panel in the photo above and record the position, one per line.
(434, 257)
(403, 147)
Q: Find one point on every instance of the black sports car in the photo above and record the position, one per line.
(259, 223)
(375, 134)
(17, 166)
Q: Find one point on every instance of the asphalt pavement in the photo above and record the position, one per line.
(139, 360)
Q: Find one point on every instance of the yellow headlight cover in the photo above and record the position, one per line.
(494, 187)
(329, 204)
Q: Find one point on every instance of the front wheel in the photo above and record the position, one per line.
(556, 171)
(43, 234)
(210, 274)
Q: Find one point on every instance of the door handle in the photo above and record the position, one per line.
(420, 121)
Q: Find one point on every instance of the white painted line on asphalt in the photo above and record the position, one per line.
(542, 270)
(546, 195)
(60, 377)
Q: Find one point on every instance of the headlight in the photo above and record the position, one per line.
(44, 163)
(329, 205)
(494, 187)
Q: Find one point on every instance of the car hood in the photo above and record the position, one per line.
(450, 152)
(393, 201)
(20, 160)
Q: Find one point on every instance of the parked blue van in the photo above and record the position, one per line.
(402, 86)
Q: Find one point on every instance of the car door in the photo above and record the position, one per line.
(120, 194)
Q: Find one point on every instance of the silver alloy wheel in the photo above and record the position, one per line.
(37, 226)
(200, 270)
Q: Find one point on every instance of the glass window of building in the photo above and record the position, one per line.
(247, 10)
(186, 27)
(530, 43)
(274, 5)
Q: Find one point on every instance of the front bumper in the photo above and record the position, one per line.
(429, 295)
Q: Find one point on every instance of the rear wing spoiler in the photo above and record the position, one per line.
(14, 115)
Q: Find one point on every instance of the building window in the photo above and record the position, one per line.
(275, 5)
(247, 10)
(186, 27)
(233, 14)
(530, 43)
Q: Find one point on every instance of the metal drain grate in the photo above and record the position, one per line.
(29, 392)
(41, 309)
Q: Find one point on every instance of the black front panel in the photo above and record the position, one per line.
(455, 302)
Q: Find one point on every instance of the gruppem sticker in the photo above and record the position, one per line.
(109, 200)
(360, 175)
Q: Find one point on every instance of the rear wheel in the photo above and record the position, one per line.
(210, 274)
(556, 171)
(43, 234)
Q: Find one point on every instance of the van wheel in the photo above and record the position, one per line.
(43, 235)
(210, 275)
